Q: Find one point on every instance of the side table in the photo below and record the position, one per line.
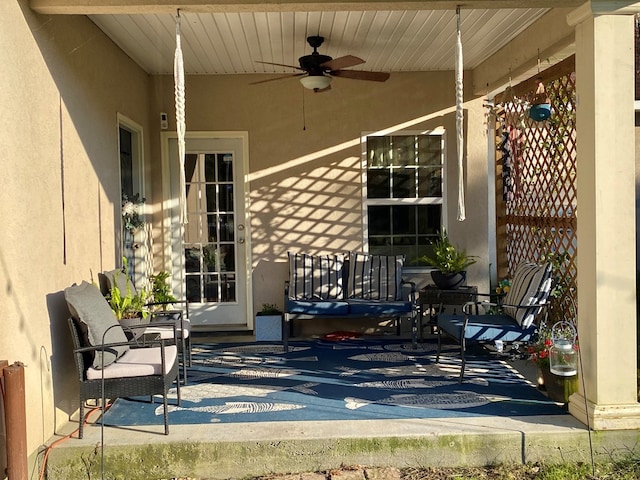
(433, 296)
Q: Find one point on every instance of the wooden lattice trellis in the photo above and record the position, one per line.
(536, 197)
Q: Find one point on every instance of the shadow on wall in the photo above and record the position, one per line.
(311, 207)
(65, 393)
(268, 283)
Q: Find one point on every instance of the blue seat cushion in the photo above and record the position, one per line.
(485, 328)
(378, 308)
(317, 307)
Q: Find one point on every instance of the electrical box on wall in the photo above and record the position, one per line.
(164, 121)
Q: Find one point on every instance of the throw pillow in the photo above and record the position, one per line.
(87, 305)
(315, 276)
(375, 277)
(530, 286)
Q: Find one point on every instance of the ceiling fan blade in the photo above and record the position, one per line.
(342, 62)
(277, 78)
(361, 75)
(279, 65)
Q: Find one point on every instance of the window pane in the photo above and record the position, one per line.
(378, 184)
(404, 150)
(404, 219)
(379, 220)
(378, 150)
(429, 150)
(404, 183)
(402, 169)
(430, 182)
(429, 219)
(380, 245)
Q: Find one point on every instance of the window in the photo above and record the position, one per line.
(403, 193)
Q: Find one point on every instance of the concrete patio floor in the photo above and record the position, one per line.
(237, 451)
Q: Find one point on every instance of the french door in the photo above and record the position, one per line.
(209, 254)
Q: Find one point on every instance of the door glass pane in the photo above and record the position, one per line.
(192, 259)
(212, 225)
(211, 200)
(226, 197)
(210, 167)
(225, 168)
(210, 288)
(227, 228)
(228, 287)
(193, 288)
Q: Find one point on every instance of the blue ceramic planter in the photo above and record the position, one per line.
(540, 112)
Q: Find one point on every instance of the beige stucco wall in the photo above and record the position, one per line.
(304, 158)
(63, 82)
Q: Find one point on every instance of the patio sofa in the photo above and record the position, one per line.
(353, 285)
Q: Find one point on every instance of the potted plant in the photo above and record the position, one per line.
(268, 325)
(450, 263)
(161, 291)
(128, 304)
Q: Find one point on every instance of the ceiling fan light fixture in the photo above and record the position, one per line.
(315, 82)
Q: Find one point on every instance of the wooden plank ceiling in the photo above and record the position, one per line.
(388, 40)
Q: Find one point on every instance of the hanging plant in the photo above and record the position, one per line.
(540, 104)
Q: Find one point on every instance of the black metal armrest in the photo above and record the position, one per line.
(412, 290)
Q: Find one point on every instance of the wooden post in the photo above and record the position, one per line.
(15, 420)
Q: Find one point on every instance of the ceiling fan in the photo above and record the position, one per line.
(318, 69)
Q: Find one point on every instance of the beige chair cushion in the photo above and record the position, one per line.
(138, 362)
(87, 305)
(166, 331)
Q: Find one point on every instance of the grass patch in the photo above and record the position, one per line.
(627, 469)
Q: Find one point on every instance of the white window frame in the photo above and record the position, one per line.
(366, 202)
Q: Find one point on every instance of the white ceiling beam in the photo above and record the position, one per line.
(96, 7)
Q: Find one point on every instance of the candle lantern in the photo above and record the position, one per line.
(563, 355)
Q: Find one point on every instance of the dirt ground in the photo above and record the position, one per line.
(515, 472)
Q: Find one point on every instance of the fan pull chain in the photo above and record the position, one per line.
(304, 117)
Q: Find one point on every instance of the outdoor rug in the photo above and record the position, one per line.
(354, 379)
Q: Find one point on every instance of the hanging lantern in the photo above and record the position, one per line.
(540, 104)
(563, 355)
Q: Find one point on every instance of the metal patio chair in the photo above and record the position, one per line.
(516, 323)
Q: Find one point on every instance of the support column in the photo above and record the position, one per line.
(606, 220)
